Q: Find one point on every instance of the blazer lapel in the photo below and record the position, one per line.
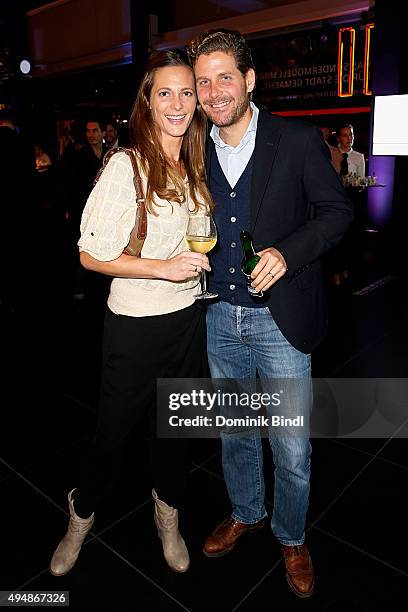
(266, 147)
(208, 157)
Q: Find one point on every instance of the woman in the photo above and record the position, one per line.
(153, 329)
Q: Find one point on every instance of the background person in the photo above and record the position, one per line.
(348, 161)
(17, 167)
(111, 134)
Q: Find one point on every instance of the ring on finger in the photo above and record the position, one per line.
(270, 273)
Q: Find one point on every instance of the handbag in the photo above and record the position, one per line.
(139, 231)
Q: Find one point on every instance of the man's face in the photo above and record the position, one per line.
(222, 89)
(94, 133)
(111, 134)
(346, 138)
(326, 133)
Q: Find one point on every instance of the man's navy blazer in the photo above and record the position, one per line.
(300, 207)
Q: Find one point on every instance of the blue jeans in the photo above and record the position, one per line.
(241, 342)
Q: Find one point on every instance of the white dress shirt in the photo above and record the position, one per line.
(356, 162)
(233, 160)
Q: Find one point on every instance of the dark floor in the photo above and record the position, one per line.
(50, 368)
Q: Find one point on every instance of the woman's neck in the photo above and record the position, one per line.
(172, 148)
(179, 167)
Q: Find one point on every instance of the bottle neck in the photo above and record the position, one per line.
(247, 245)
(248, 248)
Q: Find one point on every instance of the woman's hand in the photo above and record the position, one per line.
(179, 268)
(183, 266)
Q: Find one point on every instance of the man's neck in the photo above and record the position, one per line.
(345, 150)
(97, 149)
(233, 134)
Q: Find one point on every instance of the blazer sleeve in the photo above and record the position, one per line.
(330, 209)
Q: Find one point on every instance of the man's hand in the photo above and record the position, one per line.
(269, 269)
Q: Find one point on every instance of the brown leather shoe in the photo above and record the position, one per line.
(224, 537)
(299, 570)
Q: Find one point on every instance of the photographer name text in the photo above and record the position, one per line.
(222, 421)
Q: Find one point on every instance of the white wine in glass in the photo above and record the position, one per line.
(200, 244)
(201, 237)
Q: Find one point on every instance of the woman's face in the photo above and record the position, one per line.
(172, 102)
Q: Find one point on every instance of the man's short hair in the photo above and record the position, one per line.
(113, 123)
(227, 41)
(343, 126)
(95, 120)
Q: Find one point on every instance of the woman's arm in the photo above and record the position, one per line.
(179, 268)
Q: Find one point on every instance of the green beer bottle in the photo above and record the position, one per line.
(249, 261)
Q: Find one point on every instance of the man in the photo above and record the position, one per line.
(274, 178)
(86, 163)
(80, 174)
(326, 133)
(347, 161)
(17, 164)
(335, 155)
(111, 135)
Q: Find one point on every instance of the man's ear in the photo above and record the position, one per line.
(250, 79)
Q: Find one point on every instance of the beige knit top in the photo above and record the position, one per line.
(107, 221)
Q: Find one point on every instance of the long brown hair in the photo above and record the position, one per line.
(162, 179)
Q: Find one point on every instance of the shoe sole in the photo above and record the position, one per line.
(298, 593)
(177, 570)
(58, 575)
(254, 529)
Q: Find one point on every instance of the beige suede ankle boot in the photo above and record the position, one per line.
(68, 549)
(174, 547)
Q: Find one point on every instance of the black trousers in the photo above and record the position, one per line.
(137, 351)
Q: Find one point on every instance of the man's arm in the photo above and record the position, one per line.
(331, 209)
(331, 215)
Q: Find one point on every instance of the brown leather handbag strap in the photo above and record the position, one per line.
(137, 182)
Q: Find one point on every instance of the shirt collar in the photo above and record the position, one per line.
(348, 152)
(249, 134)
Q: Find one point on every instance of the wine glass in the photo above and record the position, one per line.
(201, 237)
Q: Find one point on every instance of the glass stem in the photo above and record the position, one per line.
(203, 282)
